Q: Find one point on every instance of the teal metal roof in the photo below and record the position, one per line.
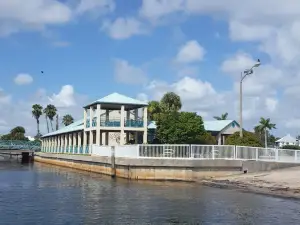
(116, 98)
(218, 125)
(77, 125)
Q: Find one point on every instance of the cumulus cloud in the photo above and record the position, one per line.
(123, 28)
(4, 97)
(18, 113)
(37, 15)
(65, 98)
(190, 52)
(23, 79)
(129, 74)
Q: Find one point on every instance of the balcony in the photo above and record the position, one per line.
(115, 123)
(134, 123)
(110, 123)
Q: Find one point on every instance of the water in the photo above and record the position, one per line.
(42, 194)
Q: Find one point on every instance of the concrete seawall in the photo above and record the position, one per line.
(158, 169)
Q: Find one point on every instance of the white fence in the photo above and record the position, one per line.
(199, 152)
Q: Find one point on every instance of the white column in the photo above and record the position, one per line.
(70, 142)
(66, 142)
(84, 138)
(127, 119)
(98, 114)
(136, 133)
(122, 125)
(91, 116)
(145, 117)
(219, 139)
(79, 139)
(74, 143)
(91, 138)
(84, 118)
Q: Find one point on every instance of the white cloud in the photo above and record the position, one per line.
(18, 113)
(129, 74)
(65, 98)
(123, 28)
(96, 6)
(38, 15)
(196, 95)
(4, 98)
(34, 15)
(23, 79)
(190, 52)
(142, 97)
(271, 104)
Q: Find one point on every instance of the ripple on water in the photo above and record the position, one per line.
(53, 195)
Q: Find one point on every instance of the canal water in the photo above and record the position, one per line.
(42, 194)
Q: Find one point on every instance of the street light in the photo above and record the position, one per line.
(243, 75)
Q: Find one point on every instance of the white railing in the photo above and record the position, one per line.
(130, 151)
(199, 152)
(101, 150)
(165, 151)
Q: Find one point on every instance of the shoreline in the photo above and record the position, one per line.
(282, 183)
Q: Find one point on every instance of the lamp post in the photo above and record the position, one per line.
(243, 75)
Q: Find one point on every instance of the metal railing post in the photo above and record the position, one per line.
(276, 155)
(192, 151)
(213, 152)
(256, 154)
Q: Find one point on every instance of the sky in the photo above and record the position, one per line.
(88, 49)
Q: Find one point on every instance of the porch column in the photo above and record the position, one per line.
(75, 146)
(223, 139)
(66, 143)
(122, 125)
(145, 134)
(136, 134)
(70, 141)
(219, 139)
(84, 138)
(91, 132)
(84, 118)
(79, 141)
(127, 119)
(98, 114)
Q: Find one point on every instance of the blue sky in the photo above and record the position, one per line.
(143, 48)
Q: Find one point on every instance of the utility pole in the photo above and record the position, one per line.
(246, 73)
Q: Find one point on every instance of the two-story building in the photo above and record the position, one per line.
(114, 119)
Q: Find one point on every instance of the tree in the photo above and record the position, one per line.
(265, 125)
(222, 117)
(179, 127)
(153, 110)
(50, 112)
(170, 102)
(248, 139)
(37, 111)
(17, 133)
(67, 120)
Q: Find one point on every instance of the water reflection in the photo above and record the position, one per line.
(53, 195)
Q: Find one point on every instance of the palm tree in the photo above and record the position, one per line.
(50, 112)
(37, 111)
(153, 109)
(170, 102)
(264, 126)
(67, 120)
(222, 117)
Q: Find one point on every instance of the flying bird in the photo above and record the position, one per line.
(42, 71)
